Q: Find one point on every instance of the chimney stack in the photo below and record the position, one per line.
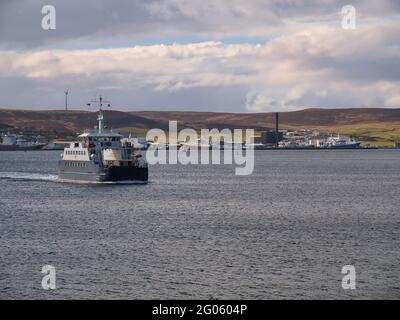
(276, 130)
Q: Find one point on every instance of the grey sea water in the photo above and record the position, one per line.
(201, 232)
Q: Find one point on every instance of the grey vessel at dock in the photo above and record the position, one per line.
(13, 142)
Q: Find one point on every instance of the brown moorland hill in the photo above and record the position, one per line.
(68, 122)
(303, 118)
(375, 124)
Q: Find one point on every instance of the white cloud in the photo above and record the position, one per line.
(307, 60)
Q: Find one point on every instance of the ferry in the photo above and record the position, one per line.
(101, 157)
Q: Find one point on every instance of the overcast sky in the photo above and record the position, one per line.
(202, 55)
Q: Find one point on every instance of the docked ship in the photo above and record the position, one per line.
(13, 142)
(341, 143)
(101, 157)
(199, 144)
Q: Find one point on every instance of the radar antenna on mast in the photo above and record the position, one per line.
(100, 102)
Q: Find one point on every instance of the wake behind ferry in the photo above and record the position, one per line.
(100, 157)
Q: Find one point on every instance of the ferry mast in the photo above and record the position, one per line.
(100, 117)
